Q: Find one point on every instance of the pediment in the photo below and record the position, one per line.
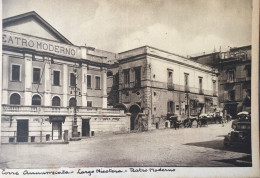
(32, 24)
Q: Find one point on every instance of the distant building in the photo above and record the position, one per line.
(51, 86)
(234, 78)
(153, 85)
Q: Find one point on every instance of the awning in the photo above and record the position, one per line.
(172, 117)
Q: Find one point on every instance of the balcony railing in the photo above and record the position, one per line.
(187, 89)
(177, 87)
(50, 110)
(170, 86)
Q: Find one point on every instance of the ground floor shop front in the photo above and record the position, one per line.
(152, 110)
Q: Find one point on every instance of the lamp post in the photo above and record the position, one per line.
(75, 134)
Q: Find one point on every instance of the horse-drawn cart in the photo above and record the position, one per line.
(203, 120)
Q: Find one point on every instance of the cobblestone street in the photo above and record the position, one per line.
(199, 147)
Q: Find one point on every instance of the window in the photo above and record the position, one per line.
(109, 73)
(97, 82)
(169, 79)
(170, 107)
(186, 77)
(56, 78)
(231, 75)
(137, 77)
(36, 75)
(56, 101)
(232, 95)
(15, 73)
(169, 76)
(126, 77)
(15, 99)
(72, 102)
(200, 84)
(89, 103)
(186, 82)
(89, 81)
(214, 87)
(72, 79)
(36, 100)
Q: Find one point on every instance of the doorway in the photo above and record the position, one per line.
(22, 130)
(56, 130)
(134, 110)
(85, 127)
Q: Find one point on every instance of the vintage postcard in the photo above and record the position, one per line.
(160, 88)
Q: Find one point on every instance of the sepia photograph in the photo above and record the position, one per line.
(129, 88)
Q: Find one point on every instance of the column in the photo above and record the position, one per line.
(104, 88)
(84, 85)
(5, 79)
(28, 79)
(47, 83)
(65, 85)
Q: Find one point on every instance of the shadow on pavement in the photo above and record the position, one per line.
(218, 144)
(245, 161)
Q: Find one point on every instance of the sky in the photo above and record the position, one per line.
(184, 27)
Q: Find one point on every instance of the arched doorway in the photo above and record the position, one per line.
(134, 110)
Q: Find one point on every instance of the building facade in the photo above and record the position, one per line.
(234, 78)
(153, 85)
(50, 86)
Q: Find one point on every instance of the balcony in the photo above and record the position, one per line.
(56, 111)
(187, 89)
(137, 84)
(170, 86)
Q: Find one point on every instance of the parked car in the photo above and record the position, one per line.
(240, 136)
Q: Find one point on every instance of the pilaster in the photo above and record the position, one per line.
(47, 83)
(65, 85)
(28, 79)
(84, 85)
(5, 78)
(104, 88)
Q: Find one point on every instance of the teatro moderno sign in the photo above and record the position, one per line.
(22, 41)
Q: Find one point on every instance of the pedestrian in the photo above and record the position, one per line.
(222, 118)
(175, 124)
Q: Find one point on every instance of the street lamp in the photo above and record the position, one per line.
(76, 90)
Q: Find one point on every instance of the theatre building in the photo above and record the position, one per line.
(154, 85)
(51, 87)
